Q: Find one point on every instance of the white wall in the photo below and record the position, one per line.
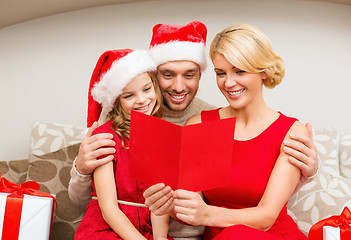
(46, 64)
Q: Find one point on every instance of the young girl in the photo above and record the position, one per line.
(122, 81)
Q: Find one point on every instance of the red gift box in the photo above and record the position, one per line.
(14, 203)
(341, 221)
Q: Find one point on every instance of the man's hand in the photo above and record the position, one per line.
(303, 153)
(93, 147)
(159, 199)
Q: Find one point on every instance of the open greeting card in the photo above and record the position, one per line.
(195, 157)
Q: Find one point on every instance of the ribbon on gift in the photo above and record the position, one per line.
(14, 202)
(343, 222)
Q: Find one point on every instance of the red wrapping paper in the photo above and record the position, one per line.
(14, 202)
(342, 221)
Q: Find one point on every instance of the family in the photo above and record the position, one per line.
(275, 154)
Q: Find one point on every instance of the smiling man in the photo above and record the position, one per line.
(179, 53)
(179, 81)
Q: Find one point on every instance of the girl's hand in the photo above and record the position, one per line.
(159, 199)
(190, 208)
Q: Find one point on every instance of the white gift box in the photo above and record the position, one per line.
(331, 233)
(35, 218)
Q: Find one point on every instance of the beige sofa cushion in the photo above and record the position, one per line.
(14, 171)
(52, 172)
(49, 137)
(328, 193)
(345, 155)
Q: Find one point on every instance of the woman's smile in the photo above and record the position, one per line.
(235, 94)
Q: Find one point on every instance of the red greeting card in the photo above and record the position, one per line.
(195, 157)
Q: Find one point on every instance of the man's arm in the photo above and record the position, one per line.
(79, 187)
(91, 149)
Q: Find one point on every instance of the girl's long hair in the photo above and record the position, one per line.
(121, 119)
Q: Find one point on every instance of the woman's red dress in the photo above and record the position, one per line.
(251, 169)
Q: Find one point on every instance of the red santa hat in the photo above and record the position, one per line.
(113, 71)
(175, 42)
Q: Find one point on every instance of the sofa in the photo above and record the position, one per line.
(54, 147)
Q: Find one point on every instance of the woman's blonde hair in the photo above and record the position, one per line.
(249, 49)
(121, 119)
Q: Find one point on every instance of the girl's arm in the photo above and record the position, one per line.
(160, 225)
(105, 186)
(190, 207)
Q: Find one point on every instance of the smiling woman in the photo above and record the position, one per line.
(245, 65)
(236, 85)
(253, 205)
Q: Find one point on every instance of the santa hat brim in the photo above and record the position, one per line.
(179, 51)
(119, 75)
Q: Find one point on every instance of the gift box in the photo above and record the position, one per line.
(331, 233)
(25, 212)
(333, 228)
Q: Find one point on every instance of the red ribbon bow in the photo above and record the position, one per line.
(343, 222)
(14, 201)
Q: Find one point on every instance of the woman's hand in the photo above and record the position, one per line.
(159, 199)
(190, 208)
(92, 148)
(303, 153)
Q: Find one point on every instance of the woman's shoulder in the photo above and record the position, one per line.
(286, 117)
(297, 127)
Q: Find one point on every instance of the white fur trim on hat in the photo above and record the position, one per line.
(181, 51)
(122, 71)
